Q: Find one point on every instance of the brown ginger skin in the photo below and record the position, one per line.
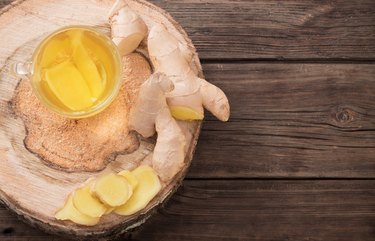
(128, 29)
(151, 114)
(171, 58)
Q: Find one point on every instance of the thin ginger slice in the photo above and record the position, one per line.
(68, 85)
(185, 113)
(55, 50)
(87, 204)
(91, 183)
(130, 178)
(87, 67)
(69, 212)
(106, 57)
(112, 189)
(109, 210)
(148, 186)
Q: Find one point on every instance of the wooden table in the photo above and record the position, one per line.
(297, 159)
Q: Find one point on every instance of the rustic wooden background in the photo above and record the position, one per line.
(297, 159)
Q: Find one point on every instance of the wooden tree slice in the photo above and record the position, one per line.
(28, 186)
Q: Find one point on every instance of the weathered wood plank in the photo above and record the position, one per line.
(290, 120)
(252, 210)
(294, 29)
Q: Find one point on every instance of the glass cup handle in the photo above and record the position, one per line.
(22, 69)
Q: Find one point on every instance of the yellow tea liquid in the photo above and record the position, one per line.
(75, 70)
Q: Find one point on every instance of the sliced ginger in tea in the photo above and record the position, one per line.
(56, 51)
(69, 86)
(147, 188)
(75, 70)
(89, 70)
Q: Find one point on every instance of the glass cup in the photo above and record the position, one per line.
(30, 70)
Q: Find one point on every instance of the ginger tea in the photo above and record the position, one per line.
(76, 71)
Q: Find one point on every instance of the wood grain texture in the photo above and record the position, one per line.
(254, 210)
(293, 29)
(291, 120)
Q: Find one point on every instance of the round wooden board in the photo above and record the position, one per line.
(27, 186)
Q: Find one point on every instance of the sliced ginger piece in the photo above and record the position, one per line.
(185, 113)
(91, 184)
(148, 186)
(109, 210)
(112, 189)
(106, 57)
(87, 67)
(69, 212)
(87, 204)
(68, 85)
(133, 181)
(55, 50)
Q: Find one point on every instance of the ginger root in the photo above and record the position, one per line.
(69, 212)
(170, 57)
(151, 113)
(157, 101)
(147, 188)
(128, 29)
(112, 189)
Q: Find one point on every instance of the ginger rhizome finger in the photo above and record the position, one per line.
(169, 152)
(170, 57)
(128, 29)
(150, 114)
(151, 100)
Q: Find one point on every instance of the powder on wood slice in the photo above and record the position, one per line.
(85, 144)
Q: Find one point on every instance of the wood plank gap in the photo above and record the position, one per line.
(286, 61)
(279, 179)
